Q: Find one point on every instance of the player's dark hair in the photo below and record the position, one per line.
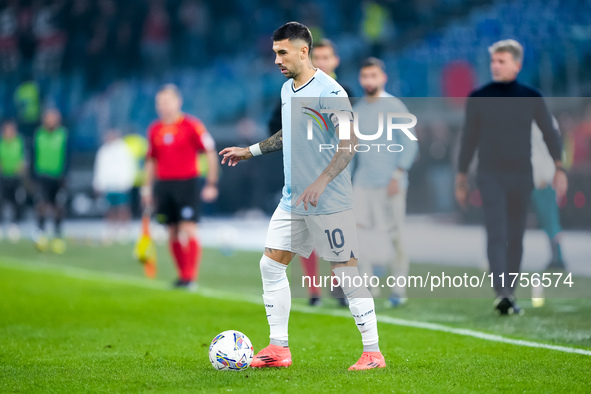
(170, 87)
(325, 42)
(294, 31)
(374, 61)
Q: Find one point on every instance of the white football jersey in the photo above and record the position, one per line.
(303, 159)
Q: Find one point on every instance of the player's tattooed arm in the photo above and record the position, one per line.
(273, 143)
(341, 158)
(339, 162)
(233, 155)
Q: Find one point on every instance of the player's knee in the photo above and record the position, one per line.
(173, 233)
(187, 230)
(189, 227)
(273, 274)
(281, 256)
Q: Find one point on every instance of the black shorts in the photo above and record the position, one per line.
(177, 201)
(51, 191)
(12, 191)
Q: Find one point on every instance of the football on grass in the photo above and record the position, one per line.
(231, 351)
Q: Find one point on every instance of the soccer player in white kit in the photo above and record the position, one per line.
(316, 210)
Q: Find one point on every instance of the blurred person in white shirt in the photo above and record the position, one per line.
(544, 202)
(114, 175)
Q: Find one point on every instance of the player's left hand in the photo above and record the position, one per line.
(560, 184)
(312, 193)
(209, 192)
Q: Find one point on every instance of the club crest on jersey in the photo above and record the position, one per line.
(168, 139)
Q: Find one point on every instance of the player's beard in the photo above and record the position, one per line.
(371, 91)
(290, 74)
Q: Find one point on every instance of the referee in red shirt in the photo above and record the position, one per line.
(172, 179)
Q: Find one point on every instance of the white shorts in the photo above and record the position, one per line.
(333, 236)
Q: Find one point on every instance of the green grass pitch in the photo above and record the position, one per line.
(88, 321)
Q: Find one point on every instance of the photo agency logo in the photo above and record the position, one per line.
(396, 122)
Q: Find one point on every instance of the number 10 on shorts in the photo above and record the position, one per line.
(335, 238)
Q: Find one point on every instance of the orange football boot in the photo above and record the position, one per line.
(369, 360)
(272, 356)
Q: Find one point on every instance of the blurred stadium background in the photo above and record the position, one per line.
(100, 62)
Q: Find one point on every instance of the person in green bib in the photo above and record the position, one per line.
(12, 166)
(50, 159)
(27, 102)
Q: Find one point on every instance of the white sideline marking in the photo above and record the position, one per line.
(85, 274)
(409, 323)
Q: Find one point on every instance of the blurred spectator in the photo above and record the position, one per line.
(138, 145)
(50, 164)
(195, 24)
(9, 51)
(49, 36)
(27, 42)
(326, 58)
(79, 29)
(440, 173)
(566, 125)
(27, 102)
(99, 51)
(375, 24)
(156, 38)
(311, 16)
(544, 196)
(574, 209)
(247, 179)
(458, 81)
(581, 140)
(125, 49)
(419, 191)
(12, 165)
(114, 175)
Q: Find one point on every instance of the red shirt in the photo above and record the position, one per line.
(175, 146)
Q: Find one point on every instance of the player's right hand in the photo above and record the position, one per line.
(147, 198)
(234, 154)
(560, 184)
(462, 197)
(393, 187)
(462, 190)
